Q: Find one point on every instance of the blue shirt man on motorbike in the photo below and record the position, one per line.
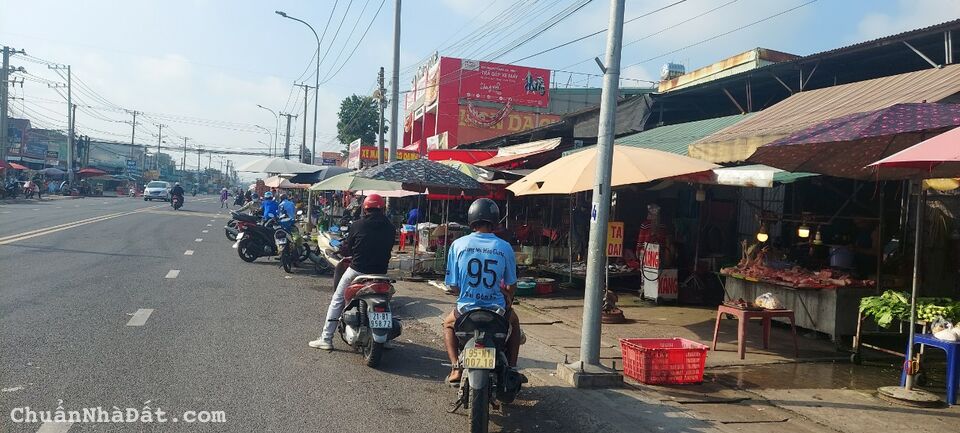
(270, 207)
(482, 269)
(289, 209)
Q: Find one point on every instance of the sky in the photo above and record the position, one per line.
(201, 67)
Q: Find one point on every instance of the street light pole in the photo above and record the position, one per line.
(269, 134)
(276, 128)
(316, 84)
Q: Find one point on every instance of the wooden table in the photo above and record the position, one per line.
(744, 316)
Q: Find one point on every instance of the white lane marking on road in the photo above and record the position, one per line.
(209, 225)
(140, 317)
(174, 273)
(188, 253)
(16, 388)
(212, 220)
(34, 209)
(198, 240)
(55, 427)
(204, 231)
(59, 207)
(53, 229)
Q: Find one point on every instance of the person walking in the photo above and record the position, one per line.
(368, 245)
(224, 195)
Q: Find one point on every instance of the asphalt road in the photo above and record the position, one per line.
(222, 335)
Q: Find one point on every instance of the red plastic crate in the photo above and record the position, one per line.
(663, 360)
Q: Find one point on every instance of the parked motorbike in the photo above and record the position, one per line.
(286, 249)
(256, 240)
(367, 322)
(232, 227)
(487, 376)
(12, 189)
(177, 202)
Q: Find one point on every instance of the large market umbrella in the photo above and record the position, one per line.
(482, 174)
(12, 165)
(319, 175)
(52, 172)
(278, 165)
(279, 182)
(350, 182)
(938, 154)
(577, 172)
(422, 174)
(843, 146)
(90, 172)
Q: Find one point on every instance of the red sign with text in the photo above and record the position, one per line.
(495, 82)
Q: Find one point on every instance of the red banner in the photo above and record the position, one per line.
(495, 82)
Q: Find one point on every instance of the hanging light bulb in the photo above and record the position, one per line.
(762, 235)
(818, 238)
(803, 231)
(701, 194)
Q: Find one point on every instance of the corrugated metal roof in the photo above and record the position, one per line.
(676, 138)
(804, 109)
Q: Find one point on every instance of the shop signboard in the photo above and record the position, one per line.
(470, 130)
(495, 82)
(614, 239)
(353, 157)
(657, 283)
(53, 157)
(16, 134)
(369, 154)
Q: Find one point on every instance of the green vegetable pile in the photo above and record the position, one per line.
(893, 305)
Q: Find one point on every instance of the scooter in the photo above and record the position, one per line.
(177, 202)
(367, 322)
(257, 240)
(487, 376)
(233, 226)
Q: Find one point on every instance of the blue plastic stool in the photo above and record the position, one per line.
(953, 363)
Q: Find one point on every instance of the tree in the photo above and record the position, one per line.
(359, 117)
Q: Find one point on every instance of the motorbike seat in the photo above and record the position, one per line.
(482, 320)
(365, 278)
(245, 218)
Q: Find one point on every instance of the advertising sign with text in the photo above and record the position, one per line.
(495, 82)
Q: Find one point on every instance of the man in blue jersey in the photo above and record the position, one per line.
(482, 268)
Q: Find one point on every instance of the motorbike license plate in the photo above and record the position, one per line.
(381, 320)
(480, 359)
(282, 241)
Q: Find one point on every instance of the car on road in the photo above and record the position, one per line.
(157, 190)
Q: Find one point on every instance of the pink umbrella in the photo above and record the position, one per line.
(935, 157)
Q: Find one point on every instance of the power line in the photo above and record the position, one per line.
(347, 40)
(600, 31)
(337, 33)
(553, 21)
(700, 42)
(364, 35)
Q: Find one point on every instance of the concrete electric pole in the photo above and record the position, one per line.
(198, 166)
(395, 84)
(159, 140)
(382, 102)
(4, 100)
(183, 165)
(70, 123)
(286, 146)
(306, 94)
(588, 372)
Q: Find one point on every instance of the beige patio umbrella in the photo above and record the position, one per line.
(577, 172)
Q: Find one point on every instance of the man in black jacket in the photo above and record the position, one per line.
(369, 246)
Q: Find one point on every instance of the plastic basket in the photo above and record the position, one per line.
(663, 360)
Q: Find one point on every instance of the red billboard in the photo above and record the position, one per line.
(495, 82)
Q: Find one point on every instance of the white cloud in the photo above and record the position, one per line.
(910, 14)
(170, 67)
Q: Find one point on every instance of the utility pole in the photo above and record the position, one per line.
(395, 83)
(588, 371)
(306, 94)
(70, 123)
(198, 166)
(183, 165)
(4, 100)
(286, 146)
(159, 140)
(133, 134)
(382, 102)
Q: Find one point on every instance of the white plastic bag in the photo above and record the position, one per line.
(768, 301)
